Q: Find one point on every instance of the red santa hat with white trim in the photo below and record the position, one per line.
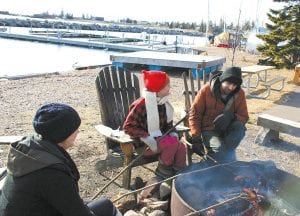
(154, 81)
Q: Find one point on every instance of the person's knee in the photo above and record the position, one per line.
(237, 126)
(234, 135)
(237, 129)
(169, 143)
(102, 207)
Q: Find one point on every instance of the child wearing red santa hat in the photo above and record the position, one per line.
(149, 118)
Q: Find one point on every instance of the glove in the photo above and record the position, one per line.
(198, 149)
(197, 144)
(195, 139)
(151, 142)
(223, 121)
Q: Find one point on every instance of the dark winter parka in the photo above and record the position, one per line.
(42, 180)
(208, 104)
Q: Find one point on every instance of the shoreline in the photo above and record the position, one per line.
(33, 75)
(25, 76)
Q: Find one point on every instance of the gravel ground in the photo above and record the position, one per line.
(21, 98)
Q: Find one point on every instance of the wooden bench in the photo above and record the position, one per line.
(272, 125)
(282, 118)
(268, 85)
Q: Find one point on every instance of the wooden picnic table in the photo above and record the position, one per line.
(260, 74)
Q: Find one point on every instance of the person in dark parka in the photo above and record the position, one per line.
(42, 178)
(218, 115)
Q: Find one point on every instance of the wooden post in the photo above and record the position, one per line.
(296, 78)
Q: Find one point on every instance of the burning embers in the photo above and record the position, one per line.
(260, 203)
(238, 188)
(257, 205)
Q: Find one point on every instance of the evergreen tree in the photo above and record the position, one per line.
(247, 26)
(282, 43)
(62, 14)
(202, 26)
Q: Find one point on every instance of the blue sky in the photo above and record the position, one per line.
(150, 10)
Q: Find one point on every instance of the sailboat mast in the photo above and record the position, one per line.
(207, 22)
(257, 15)
(224, 25)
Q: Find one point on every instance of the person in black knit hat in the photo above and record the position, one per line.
(55, 122)
(42, 178)
(218, 115)
(232, 75)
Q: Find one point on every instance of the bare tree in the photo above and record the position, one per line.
(236, 38)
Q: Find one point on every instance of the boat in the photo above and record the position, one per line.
(3, 29)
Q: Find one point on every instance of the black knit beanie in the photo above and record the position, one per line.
(56, 122)
(233, 75)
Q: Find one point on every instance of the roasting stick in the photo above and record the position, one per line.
(206, 155)
(226, 168)
(241, 196)
(168, 179)
(120, 173)
(137, 158)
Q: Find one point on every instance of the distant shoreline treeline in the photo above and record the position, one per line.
(125, 25)
(29, 23)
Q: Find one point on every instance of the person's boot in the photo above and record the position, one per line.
(177, 170)
(164, 170)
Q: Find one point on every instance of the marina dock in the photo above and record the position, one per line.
(87, 43)
(157, 60)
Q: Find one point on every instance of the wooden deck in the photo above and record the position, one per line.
(80, 43)
(156, 60)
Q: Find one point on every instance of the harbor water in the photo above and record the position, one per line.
(20, 58)
(24, 58)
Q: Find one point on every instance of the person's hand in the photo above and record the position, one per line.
(198, 149)
(197, 144)
(223, 121)
(151, 142)
(195, 139)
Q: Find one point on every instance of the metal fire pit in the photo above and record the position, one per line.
(205, 184)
